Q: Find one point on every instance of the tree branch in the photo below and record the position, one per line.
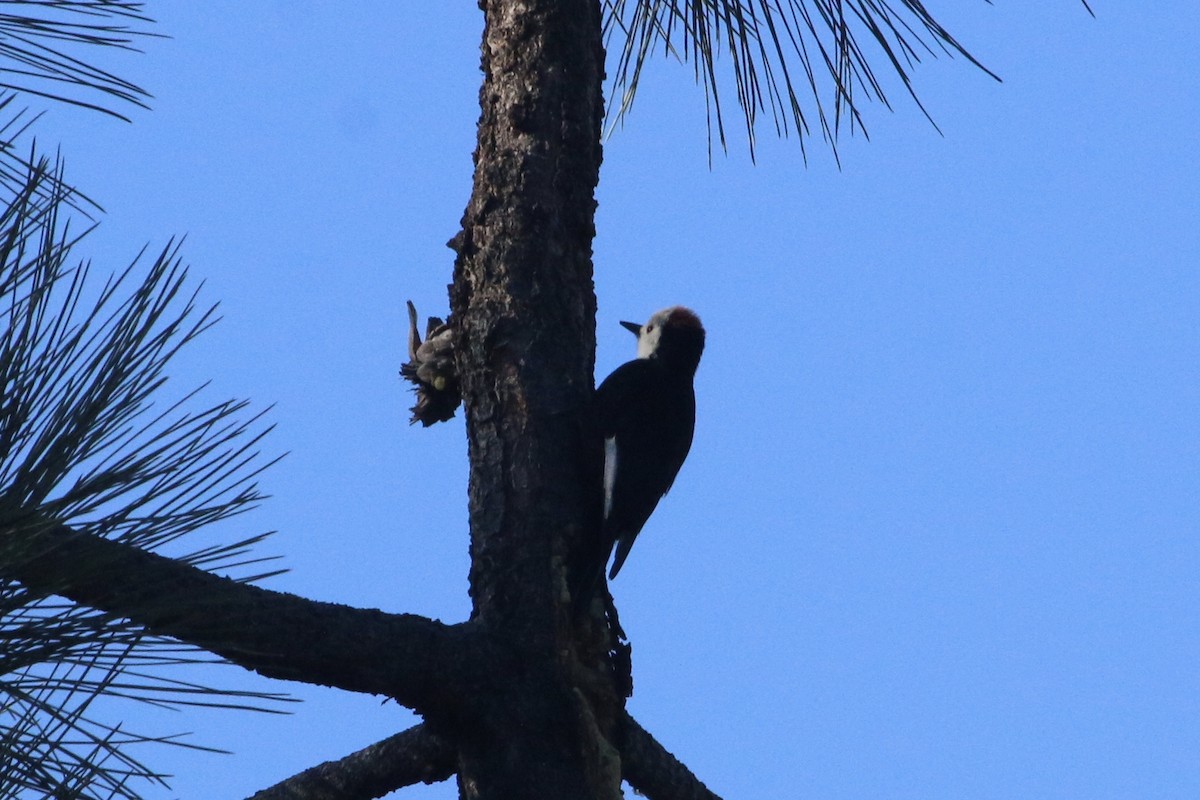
(653, 771)
(420, 662)
(398, 761)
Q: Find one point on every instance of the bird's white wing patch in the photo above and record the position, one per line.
(610, 472)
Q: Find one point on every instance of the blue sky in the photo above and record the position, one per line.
(937, 536)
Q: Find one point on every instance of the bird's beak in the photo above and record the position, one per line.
(632, 327)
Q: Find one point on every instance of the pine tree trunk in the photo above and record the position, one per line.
(524, 304)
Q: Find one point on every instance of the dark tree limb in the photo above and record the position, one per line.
(416, 755)
(420, 662)
(654, 772)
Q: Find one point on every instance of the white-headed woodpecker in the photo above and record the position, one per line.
(646, 412)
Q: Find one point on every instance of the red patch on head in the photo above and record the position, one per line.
(684, 318)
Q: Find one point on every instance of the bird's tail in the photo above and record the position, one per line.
(624, 543)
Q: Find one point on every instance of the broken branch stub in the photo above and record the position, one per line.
(430, 368)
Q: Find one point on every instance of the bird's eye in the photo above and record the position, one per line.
(649, 328)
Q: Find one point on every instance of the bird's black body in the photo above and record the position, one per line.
(649, 433)
(646, 413)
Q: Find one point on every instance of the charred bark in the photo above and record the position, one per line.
(523, 299)
(524, 305)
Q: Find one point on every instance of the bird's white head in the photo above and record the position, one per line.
(674, 333)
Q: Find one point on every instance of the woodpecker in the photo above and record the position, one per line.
(646, 412)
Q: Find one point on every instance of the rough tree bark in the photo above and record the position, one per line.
(524, 305)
